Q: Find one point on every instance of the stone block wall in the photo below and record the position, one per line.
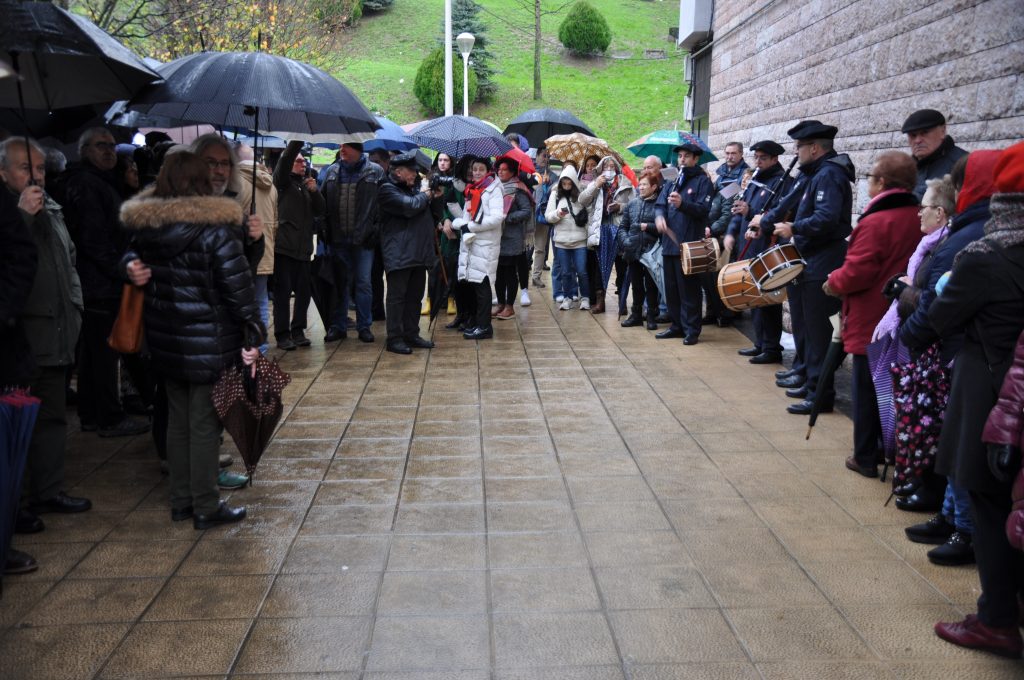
(864, 65)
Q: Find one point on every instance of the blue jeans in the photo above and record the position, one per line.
(572, 267)
(350, 262)
(260, 287)
(956, 507)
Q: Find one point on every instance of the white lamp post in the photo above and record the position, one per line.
(465, 42)
(448, 87)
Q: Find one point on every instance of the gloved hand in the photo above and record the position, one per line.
(464, 229)
(893, 287)
(1003, 461)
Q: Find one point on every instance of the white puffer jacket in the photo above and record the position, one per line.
(479, 257)
(566, 234)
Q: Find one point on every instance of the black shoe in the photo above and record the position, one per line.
(907, 488)
(956, 551)
(690, 340)
(398, 347)
(479, 333)
(663, 318)
(749, 352)
(420, 343)
(61, 503)
(286, 344)
(28, 522)
(457, 322)
(920, 502)
(791, 381)
(797, 392)
(333, 335)
(933, 532)
(18, 562)
(300, 339)
(181, 514)
(767, 358)
(670, 333)
(803, 408)
(631, 320)
(223, 515)
(786, 373)
(869, 471)
(652, 325)
(128, 427)
(366, 335)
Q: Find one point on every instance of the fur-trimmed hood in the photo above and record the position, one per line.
(149, 212)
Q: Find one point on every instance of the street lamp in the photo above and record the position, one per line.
(465, 42)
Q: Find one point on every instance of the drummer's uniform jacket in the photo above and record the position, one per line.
(686, 222)
(824, 204)
(775, 182)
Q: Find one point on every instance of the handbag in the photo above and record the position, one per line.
(581, 218)
(126, 335)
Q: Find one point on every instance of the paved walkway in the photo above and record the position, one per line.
(571, 500)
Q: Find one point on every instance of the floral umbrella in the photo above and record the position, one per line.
(576, 147)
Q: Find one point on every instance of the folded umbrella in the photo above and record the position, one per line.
(459, 136)
(882, 355)
(834, 357)
(537, 125)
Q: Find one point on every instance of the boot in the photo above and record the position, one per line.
(598, 306)
(956, 551)
(425, 311)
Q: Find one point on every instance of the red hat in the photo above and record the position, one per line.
(1008, 175)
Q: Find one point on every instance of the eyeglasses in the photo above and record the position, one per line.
(213, 165)
(103, 146)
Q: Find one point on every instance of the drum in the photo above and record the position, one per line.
(777, 266)
(738, 291)
(700, 256)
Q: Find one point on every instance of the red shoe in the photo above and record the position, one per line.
(974, 634)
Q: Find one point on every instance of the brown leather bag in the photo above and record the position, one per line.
(126, 335)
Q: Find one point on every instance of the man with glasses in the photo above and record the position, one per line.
(92, 202)
(934, 150)
(823, 200)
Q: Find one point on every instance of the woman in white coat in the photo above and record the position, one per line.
(605, 198)
(570, 239)
(481, 244)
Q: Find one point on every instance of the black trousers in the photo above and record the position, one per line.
(290, 276)
(817, 308)
(506, 281)
(768, 328)
(1000, 567)
(682, 297)
(867, 428)
(712, 299)
(594, 276)
(405, 291)
(45, 463)
(482, 302)
(99, 394)
(465, 300)
(794, 292)
(523, 261)
(377, 279)
(644, 288)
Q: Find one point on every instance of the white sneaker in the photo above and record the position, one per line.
(524, 299)
(559, 298)
(575, 298)
(584, 303)
(566, 305)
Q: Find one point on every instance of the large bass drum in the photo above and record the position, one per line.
(738, 291)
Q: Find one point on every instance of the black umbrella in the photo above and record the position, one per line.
(539, 124)
(458, 136)
(834, 358)
(322, 287)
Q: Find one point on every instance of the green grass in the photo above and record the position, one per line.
(621, 99)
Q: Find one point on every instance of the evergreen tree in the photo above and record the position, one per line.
(376, 5)
(585, 30)
(429, 84)
(465, 20)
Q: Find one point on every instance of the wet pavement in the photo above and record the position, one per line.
(570, 500)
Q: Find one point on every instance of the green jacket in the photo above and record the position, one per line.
(53, 313)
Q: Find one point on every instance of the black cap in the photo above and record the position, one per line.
(692, 148)
(925, 119)
(812, 129)
(769, 147)
(358, 146)
(406, 160)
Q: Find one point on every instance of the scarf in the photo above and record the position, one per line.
(1005, 229)
(890, 322)
(474, 192)
(508, 193)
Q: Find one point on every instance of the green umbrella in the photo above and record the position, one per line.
(661, 143)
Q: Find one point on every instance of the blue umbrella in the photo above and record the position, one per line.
(390, 137)
(458, 136)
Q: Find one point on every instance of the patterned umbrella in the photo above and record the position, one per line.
(661, 143)
(577, 146)
(883, 354)
(458, 136)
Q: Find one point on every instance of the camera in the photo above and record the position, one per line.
(438, 181)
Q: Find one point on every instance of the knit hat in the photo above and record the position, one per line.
(1008, 175)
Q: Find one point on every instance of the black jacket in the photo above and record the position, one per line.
(17, 272)
(406, 226)
(201, 293)
(632, 242)
(686, 222)
(777, 183)
(297, 208)
(91, 201)
(517, 219)
(363, 224)
(937, 164)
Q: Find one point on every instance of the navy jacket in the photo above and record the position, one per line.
(687, 222)
(823, 200)
(776, 184)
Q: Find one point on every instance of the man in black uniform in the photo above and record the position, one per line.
(823, 199)
(769, 183)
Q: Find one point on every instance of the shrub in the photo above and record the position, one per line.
(377, 5)
(584, 30)
(335, 14)
(429, 84)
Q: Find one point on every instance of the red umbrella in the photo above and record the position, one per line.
(520, 157)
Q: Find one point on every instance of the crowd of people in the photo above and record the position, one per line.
(223, 244)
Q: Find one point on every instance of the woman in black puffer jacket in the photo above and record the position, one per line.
(637, 235)
(198, 300)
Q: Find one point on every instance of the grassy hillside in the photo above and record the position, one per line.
(621, 99)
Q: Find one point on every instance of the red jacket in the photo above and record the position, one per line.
(1006, 426)
(881, 245)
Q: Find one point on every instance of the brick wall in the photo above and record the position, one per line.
(864, 65)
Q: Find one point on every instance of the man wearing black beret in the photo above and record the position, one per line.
(934, 150)
(769, 184)
(823, 200)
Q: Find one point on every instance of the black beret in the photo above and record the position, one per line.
(404, 160)
(692, 148)
(925, 119)
(769, 147)
(812, 129)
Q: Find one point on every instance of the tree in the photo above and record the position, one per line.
(429, 84)
(465, 20)
(533, 6)
(585, 30)
(377, 5)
